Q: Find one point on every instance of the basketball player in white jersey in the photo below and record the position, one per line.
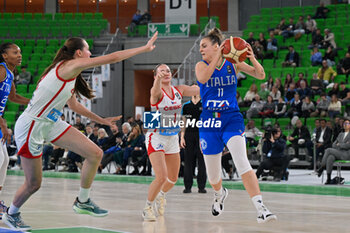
(41, 121)
(163, 144)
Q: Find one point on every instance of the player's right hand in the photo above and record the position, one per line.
(150, 44)
(182, 142)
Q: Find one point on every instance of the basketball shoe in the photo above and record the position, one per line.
(89, 208)
(3, 209)
(148, 213)
(160, 204)
(218, 203)
(14, 221)
(264, 215)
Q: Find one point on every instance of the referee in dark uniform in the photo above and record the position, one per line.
(190, 141)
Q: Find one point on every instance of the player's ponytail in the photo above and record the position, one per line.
(215, 36)
(66, 53)
(3, 48)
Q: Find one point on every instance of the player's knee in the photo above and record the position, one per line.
(172, 180)
(33, 185)
(162, 177)
(97, 155)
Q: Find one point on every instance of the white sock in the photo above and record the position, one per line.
(149, 203)
(13, 209)
(257, 201)
(219, 192)
(84, 194)
(161, 193)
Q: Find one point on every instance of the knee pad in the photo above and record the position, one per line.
(171, 182)
(238, 151)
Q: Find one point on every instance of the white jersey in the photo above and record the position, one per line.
(170, 108)
(50, 96)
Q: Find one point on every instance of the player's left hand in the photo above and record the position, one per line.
(111, 120)
(250, 53)
(150, 44)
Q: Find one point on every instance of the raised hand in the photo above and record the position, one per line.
(150, 44)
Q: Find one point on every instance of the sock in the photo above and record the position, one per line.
(149, 203)
(219, 192)
(84, 195)
(161, 193)
(13, 209)
(257, 201)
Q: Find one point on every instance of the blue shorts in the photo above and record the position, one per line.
(213, 140)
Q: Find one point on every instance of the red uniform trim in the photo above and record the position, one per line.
(53, 141)
(178, 91)
(150, 148)
(172, 90)
(63, 80)
(24, 151)
(158, 101)
(47, 105)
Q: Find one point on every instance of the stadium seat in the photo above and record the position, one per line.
(98, 15)
(194, 29)
(88, 15)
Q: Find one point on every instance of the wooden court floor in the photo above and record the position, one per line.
(50, 210)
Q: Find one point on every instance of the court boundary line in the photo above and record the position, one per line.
(336, 190)
(97, 228)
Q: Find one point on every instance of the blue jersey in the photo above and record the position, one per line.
(219, 92)
(5, 88)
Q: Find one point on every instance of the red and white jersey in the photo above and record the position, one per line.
(51, 95)
(170, 107)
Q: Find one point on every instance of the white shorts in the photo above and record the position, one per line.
(30, 134)
(167, 144)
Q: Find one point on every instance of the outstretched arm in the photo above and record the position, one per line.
(188, 90)
(256, 70)
(76, 66)
(81, 110)
(14, 97)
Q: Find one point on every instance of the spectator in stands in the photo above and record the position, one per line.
(330, 56)
(131, 120)
(307, 107)
(288, 81)
(301, 78)
(94, 136)
(334, 108)
(249, 96)
(340, 151)
(304, 91)
(264, 92)
(280, 27)
(145, 18)
(273, 148)
(270, 83)
(326, 73)
(275, 94)
(346, 103)
(323, 139)
(292, 58)
(262, 41)
(321, 12)
(138, 120)
(328, 39)
(334, 90)
(251, 39)
(256, 107)
(344, 66)
(251, 133)
(239, 99)
(289, 31)
(271, 46)
(337, 128)
(278, 84)
(135, 20)
(316, 57)
(102, 137)
(25, 77)
(321, 107)
(317, 40)
(300, 138)
(80, 126)
(300, 27)
(343, 91)
(291, 91)
(311, 25)
(258, 50)
(295, 106)
(316, 85)
(268, 109)
(280, 108)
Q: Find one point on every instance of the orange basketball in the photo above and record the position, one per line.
(235, 49)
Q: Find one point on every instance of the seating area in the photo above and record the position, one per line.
(195, 29)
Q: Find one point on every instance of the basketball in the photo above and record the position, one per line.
(235, 49)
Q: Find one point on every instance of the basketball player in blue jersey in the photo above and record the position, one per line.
(10, 57)
(217, 79)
